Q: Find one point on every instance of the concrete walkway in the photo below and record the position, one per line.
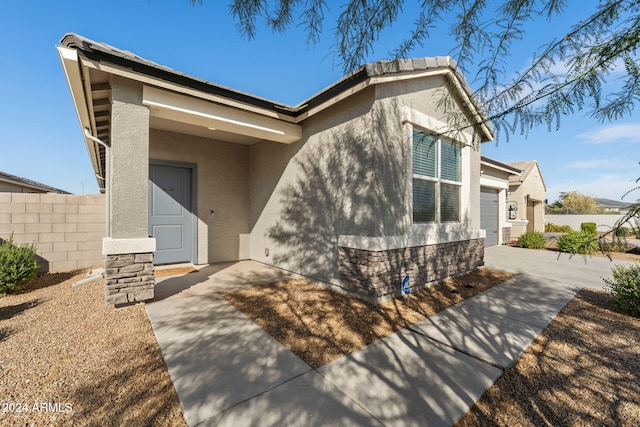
(228, 371)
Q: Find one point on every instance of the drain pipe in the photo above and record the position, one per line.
(87, 134)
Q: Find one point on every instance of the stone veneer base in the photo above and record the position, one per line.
(129, 278)
(376, 276)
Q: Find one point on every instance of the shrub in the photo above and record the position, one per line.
(532, 240)
(616, 245)
(17, 266)
(589, 227)
(623, 232)
(625, 287)
(555, 228)
(582, 242)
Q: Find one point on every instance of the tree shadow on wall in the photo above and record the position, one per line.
(350, 180)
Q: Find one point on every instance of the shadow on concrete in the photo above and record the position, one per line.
(218, 359)
(227, 369)
(583, 370)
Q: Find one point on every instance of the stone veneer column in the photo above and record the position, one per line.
(128, 270)
(129, 278)
(128, 250)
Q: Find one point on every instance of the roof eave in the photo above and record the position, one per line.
(73, 73)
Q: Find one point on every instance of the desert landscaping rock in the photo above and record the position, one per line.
(66, 358)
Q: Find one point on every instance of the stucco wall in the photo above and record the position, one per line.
(304, 195)
(222, 185)
(128, 173)
(533, 186)
(67, 229)
(348, 182)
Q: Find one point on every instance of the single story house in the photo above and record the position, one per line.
(16, 184)
(527, 195)
(609, 206)
(370, 184)
(494, 189)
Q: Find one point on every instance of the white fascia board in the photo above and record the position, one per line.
(71, 66)
(198, 112)
(147, 80)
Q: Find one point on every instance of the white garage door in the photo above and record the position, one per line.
(489, 215)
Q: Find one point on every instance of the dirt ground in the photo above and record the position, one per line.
(67, 358)
(583, 370)
(320, 326)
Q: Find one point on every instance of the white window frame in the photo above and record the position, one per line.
(437, 179)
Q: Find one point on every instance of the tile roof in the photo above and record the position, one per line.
(98, 50)
(526, 167)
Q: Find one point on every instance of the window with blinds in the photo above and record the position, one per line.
(437, 178)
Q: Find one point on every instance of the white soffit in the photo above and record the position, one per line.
(198, 112)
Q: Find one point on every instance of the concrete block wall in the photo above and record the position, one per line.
(67, 229)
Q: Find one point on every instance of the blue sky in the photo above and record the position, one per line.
(40, 138)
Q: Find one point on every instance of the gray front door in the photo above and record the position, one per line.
(170, 213)
(489, 215)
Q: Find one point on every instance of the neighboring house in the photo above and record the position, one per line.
(362, 184)
(613, 206)
(494, 185)
(16, 184)
(526, 199)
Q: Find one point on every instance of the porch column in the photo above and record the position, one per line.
(128, 249)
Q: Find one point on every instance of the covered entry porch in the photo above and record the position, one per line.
(171, 153)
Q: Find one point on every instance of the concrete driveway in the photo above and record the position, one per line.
(579, 270)
(228, 371)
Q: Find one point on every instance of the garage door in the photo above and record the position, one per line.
(489, 215)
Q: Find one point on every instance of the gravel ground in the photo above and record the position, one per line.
(583, 370)
(66, 358)
(320, 326)
(69, 359)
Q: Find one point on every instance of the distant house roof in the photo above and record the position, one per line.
(526, 167)
(34, 185)
(612, 204)
(499, 165)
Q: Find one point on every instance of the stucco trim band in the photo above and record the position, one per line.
(111, 246)
(432, 234)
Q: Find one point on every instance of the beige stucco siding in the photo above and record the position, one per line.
(306, 194)
(530, 213)
(128, 172)
(349, 176)
(222, 184)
